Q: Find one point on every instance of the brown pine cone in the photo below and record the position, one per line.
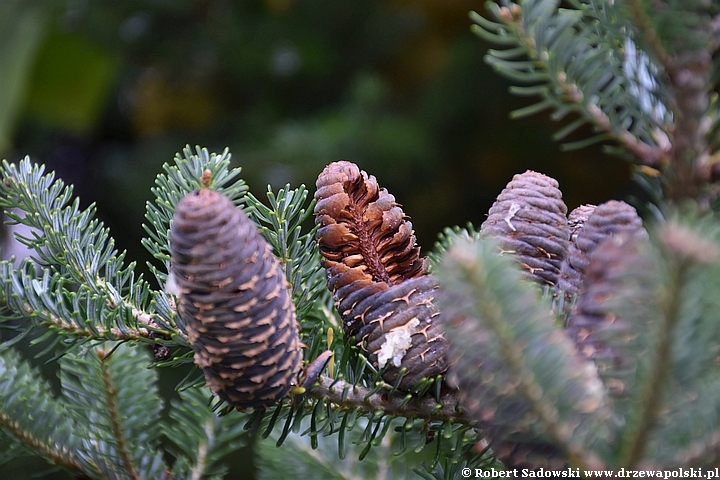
(364, 237)
(363, 227)
(604, 291)
(376, 275)
(400, 329)
(235, 302)
(577, 219)
(607, 219)
(529, 216)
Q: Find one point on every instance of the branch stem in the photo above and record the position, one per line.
(642, 21)
(143, 332)
(688, 75)
(202, 452)
(110, 396)
(359, 397)
(652, 156)
(56, 455)
(650, 401)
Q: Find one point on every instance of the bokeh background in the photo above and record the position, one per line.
(105, 92)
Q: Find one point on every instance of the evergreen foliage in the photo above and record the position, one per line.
(623, 376)
(105, 422)
(347, 405)
(514, 359)
(578, 61)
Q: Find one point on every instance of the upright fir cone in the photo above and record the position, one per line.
(604, 291)
(577, 219)
(529, 218)
(235, 302)
(376, 275)
(609, 218)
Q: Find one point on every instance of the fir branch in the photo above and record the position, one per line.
(65, 238)
(58, 456)
(680, 379)
(651, 396)
(201, 460)
(575, 65)
(281, 224)
(110, 392)
(85, 288)
(644, 25)
(178, 180)
(320, 461)
(32, 416)
(321, 457)
(510, 358)
(346, 395)
(447, 238)
(114, 402)
(198, 437)
(20, 294)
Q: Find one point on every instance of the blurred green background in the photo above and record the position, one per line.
(105, 92)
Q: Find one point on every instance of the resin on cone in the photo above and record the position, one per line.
(529, 218)
(377, 277)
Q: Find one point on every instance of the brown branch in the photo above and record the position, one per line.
(688, 73)
(114, 333)
(652, 156)
(55, 453)
(715, 31)
(642, 21)
(690, 82)
(110, 395)
(346, 395)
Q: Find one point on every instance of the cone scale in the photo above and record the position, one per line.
(234, 300)
(529, 218)
(376, 275)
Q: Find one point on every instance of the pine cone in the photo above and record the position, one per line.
(377, 277)
(603, 289)
(577, 219)
(362, 227)
(529, 216)
(235, 302)
(607, 219)
(401, 329)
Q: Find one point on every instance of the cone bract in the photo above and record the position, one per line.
(235, 302)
